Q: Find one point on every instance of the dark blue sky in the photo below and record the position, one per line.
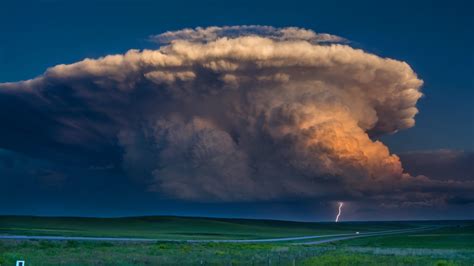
(434, 37)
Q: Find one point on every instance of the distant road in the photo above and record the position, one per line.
(80, 238)
(332, 238)
(85, 238)
(380, 233)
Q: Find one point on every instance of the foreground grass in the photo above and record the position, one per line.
(379, 250)
(350, 258)
(93, 253)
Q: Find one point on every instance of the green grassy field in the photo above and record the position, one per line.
(449, 245)
(181, 227)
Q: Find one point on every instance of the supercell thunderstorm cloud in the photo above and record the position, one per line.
(240, 113)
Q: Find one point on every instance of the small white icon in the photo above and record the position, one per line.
(20, 263)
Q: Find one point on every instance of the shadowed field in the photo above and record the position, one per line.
(182, 228)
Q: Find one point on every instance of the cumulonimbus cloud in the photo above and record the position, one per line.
(240, 113)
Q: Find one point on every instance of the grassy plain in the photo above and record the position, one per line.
(162, 227)
(450, 245)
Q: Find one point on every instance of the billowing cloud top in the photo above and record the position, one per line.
(238, 113)
(213, 33)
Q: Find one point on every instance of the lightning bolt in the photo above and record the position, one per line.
(339, 212)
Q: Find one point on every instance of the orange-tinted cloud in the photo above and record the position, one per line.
(242, 113)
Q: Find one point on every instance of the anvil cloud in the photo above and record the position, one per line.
(235, 114)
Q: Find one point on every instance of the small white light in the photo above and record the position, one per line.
(20, 263)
